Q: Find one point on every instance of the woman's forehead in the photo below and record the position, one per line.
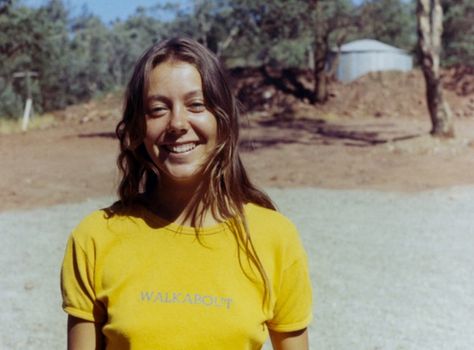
(175, 78)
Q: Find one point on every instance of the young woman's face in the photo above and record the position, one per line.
(180, 132)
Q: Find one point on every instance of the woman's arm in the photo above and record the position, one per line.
(83, 335)
(297, 340)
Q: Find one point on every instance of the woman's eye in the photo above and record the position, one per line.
(157, 111)
(197, 107)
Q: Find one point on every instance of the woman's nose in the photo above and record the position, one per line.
(178, 123)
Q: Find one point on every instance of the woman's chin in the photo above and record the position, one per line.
(183, 176)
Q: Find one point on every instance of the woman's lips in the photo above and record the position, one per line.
(181, 147)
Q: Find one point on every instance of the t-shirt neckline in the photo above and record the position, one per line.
(157, 220)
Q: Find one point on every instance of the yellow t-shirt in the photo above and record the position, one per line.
(152, 284)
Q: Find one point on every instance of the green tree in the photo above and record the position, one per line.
(50, 59)
(333, 21)
(390, 21)
(128, 39)
(214, 24)
(19, 38)
(290, 31)
(89, 52)
(271, 32)
(458, 34)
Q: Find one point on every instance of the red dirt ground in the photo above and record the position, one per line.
(373, 134)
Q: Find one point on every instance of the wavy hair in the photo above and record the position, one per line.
(225, 188)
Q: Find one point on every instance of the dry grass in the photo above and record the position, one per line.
(12, 126)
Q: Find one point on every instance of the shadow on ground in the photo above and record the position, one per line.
(277, 130)
(98, 134)
(322, 132)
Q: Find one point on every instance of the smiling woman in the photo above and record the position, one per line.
(181, 132)
(192, 255)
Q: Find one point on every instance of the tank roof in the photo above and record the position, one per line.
(368, 45)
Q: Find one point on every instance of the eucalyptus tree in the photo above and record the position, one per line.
(290, 31)
(333, 22)
(430, 28)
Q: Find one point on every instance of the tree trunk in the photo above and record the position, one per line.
(320, 87)
(320, 51)
(430, 28)
(320, 91)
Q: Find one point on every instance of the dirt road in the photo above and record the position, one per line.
(76, 161)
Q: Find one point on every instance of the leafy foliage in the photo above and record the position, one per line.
(76, 58)
(458, 34)
(389, 21)
(17, 54)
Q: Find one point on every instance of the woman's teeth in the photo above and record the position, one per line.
(180, 148)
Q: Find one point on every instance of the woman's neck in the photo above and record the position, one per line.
(179, 203)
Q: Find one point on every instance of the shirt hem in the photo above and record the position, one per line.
(79, 313)
(291, 327)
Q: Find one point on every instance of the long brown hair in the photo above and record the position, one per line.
(226, 188)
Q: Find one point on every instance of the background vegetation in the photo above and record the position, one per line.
(79, 57)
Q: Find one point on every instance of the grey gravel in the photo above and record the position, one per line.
(389, 270)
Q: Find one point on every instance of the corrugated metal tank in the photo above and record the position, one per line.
(363, 56)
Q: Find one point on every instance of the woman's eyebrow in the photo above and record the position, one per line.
(194, 93)
(163, 98)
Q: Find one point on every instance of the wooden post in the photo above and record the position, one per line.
(29, 99)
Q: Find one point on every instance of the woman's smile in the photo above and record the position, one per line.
(181, 148)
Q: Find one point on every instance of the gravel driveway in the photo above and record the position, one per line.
(390, 270)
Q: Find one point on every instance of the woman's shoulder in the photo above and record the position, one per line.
(92, 220)
(92, 226)
(103, 225)
(273, 233)
(266, 216)
(270, 223)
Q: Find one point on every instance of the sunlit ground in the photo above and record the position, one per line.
(13, 125)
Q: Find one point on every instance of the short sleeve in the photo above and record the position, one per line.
(78, 283)
(293, 307)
